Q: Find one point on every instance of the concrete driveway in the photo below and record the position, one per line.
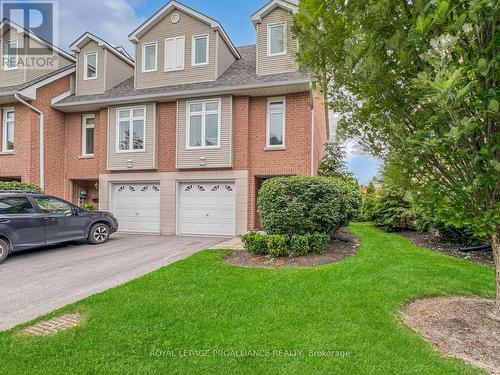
(37, 282)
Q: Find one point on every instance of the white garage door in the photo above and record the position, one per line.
(137, 207)
(207, 208)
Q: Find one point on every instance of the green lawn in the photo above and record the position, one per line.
(204, 304)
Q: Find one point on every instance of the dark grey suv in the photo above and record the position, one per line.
(29, 220)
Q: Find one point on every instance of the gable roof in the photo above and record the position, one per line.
(21, 30)
(117, 51)
(291, 5)
(160, 14)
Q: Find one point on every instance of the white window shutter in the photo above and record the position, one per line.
(180, 53)
(170, 59)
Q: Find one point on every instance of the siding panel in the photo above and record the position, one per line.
(215, 158)
(276, 64)
(11, 77)
(93, 86)
(225, 58)
(142, 160)
(117, 70)
(188, 27)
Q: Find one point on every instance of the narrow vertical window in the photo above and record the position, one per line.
(88, 135)
(90, 68)
(276, 122)
(276, 39)
(10, 55)
(200, 50)
(131, 129)
(8, 130)
(150, 57)
(203, 124)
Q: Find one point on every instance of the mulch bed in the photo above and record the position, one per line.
(340, 248)
(459, 327)
(432, 242)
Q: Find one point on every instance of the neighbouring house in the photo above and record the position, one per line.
(178, 139)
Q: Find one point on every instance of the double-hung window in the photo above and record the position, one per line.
(88, 135)
(203, 128)
(150, 57)
(8, 120)
(276, 123)
(276, 39)
(174, 53)
(10, 55)
(131, 129)
(90, 66)
(200, 50)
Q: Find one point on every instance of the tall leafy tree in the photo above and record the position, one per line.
(417, 81)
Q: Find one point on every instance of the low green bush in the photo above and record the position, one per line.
(278, 245)
(318, 242)
(300, 244)
(87, 206)
(255, 243)
(15, 185)
(301, 204)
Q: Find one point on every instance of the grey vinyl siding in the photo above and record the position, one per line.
(215, 158)
(117, 70)
(92, 86)
(142, 160)
(187, 27)
(225, 58)
(15, 76)
(59, 62)
(276, 64)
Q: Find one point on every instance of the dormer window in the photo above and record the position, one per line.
(276, 39)
(200, 50)
(150, 57)
(10, 55)
(90, 66)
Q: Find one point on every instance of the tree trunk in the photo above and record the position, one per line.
(495, 244)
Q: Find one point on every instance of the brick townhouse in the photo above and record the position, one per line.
(175, 140)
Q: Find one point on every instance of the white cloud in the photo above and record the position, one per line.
(111, 20)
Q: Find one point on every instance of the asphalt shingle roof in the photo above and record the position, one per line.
(242, 72)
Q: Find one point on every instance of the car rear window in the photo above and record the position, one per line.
(15, 205)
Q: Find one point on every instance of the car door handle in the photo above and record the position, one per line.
(4, 221)
(49, 219)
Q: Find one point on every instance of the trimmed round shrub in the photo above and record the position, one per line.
(318, 242)
(278, 245)
(300, 204)
(300, 244)
(15, 185)
(255, 243)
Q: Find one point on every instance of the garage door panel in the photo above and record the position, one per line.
(207, 208)
(137, 207)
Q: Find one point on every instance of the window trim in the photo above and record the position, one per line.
(203, 125)
(84, 135)
(85, 64)
(268, 122)
(193, 50)
(144, 46)
(285, 39)
(184, 55)
(131, 119)
(5, 110)
(16, 67)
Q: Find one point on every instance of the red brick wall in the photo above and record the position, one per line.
(166, 128)
(320, 128)
(250, 142)
(20, 163)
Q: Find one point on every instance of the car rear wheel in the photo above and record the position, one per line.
(4, 250)
(99, 233)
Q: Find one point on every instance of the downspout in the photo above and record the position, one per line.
(312, 132)
(42, 145)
